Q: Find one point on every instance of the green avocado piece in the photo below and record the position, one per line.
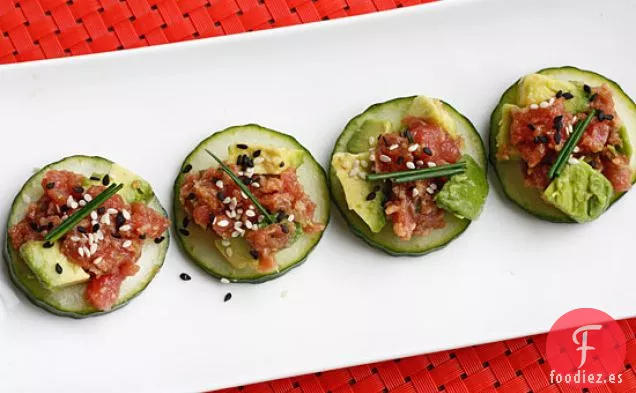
(626, 147)
(369, 131)
(432, 110)
(505, 150)
(357, 190)
(536, 88)
(465, 194)
(580, 191)
(270, 160)
(135, 188)
(44, 263)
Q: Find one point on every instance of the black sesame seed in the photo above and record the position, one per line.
(116, 235)
(536, 140)
(249, 162)
(227, 297)
(220, 195)
(185, 277)
(256, 153)
(281, 216)
(400, 160)
(34, 226)
(557, 137)
(159, 239)
(593, 164)
(254, 254)
(239, 160)
(95, 178)
(558, 122)
(47, 245)
(106, 180)
(211, 218)
(587, 89)
(284, 228)
(247, 181)
(386, 142)
(282, 164)
(58, 268)
(186, 222)
(593, 97)
(371, 196)
(428, 151)
(49, 226)
(81, 229)
(64, 208)
(119, 220)
(187, 168)
(408, 135)
(142, 236)
(184, 232)
(50, 185)
(78, 189)
(544, 139)
(600, 116)
(101, 210)
(532, 127)
(242, 146)
(609, 117)
(559, 94)
(95, 228)
(568, 96)
(191, 196)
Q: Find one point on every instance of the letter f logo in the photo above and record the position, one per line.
(583, 344)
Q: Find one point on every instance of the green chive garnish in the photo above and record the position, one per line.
(569, 146)
(419, 174)
(82, 213)
(243, 187)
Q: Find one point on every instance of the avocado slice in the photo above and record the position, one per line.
(536, 88)
(369, 131)
(363, 197)
(465, 193)
(135, 188)
(433, 111)
(580, 191)
(52, 268)
(269, 160)
(505, 150)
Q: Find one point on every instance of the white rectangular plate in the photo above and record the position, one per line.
(508, 275)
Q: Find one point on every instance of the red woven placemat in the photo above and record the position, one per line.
(40, 29)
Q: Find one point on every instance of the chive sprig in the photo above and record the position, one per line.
(243, 187)
(569, 146)
(420, 174)
(82, 213)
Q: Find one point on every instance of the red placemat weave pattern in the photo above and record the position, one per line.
(40, 29)
(512, 366)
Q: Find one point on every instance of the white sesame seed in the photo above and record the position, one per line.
(416, 192)
(70, 201)
(232, 213)
(81, 203)
(394, 146)
(256, 185)
(239, 211)
(105, 219)
(385, 158)
(75, 238)
(243, 195)
(236, 234)
(91, 238)
(362, 175)
(254, 227)
(225, 242)
(125, 227)
(250, 213)
(241, 173)
(551, 101)
(229, 252)
(258, 160)
(93, 249)
(80, 251)
(100, 235)
(430, 190)
(372, 157)
(261, 218)
(87, 252)
(238, 225)
(227, 200)
(573, 161)
(364, 163)
(248, 224)
(419, 163)
(544, 105)
(126, 214)
(576, 149)
(98, 261)
(228, 214)
(223, 223)
(353, 172)
(127, 244)
(111, 211)
(94, 222)
(225, 281)
(291, 218)
(410, 165)
(64, 217)
(413, 147)
(94, 215)
(88, 197)
(431, 164)
(534, 106)
(219, 184)
(27, 198)
(433, 186)
(573, 119)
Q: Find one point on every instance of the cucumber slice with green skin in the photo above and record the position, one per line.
(510, 173)
(385, 240)
(70, 301)
(199, 244)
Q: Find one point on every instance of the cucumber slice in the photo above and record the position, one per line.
(394, 111)
(199, 244)
(69, 301)
(510, 173)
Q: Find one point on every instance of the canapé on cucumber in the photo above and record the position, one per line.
(231, 259)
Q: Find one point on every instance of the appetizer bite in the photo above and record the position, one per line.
(250, 204)
(85, 236)
(561, 144)
(408, 175)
